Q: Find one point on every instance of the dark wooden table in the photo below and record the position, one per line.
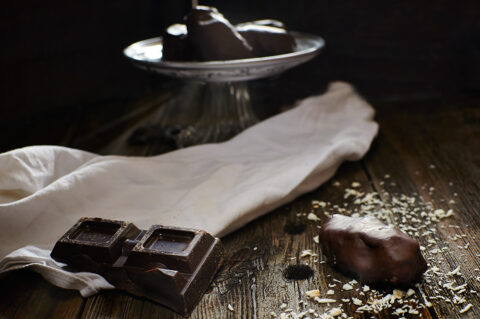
(427, 149)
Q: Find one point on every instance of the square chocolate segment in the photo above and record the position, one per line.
(98, 232)
(166, 240)
(167, 247)
(97, 238)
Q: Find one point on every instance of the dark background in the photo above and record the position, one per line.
(60, 58)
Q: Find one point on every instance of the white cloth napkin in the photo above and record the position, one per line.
(44, 190)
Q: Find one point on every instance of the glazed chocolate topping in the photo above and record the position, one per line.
(372, 251)
(265, 22)
(212, 37)
(267, 40)
(169, 265)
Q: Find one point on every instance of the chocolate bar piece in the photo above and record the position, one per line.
(169, 265)
(175, 44)
(212, 37)
(266, 40)
(372, 251)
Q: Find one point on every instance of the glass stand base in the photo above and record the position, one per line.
(226, 111)
(200, 113)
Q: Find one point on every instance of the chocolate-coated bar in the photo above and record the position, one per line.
(169, 265)
(266, 40)
(175, 44)
(372, 251)
(212, 37)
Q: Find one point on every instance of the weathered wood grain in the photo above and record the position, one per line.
(24, 294)
(413, 137)
(432, 151)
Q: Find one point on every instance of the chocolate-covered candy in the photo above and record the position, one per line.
(265, 22)
(366, 248)
(208, 36)
(169, 265)
(212, 37)
(266, 39)
(175, 44)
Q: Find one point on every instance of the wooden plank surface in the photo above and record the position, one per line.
(25, 294)
(427, 150)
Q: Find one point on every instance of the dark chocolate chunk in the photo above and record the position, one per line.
(212, 37)
(169, 265)
(294, 228)
(298, 272)
(175, 44)
(373, 252)
(267, 40)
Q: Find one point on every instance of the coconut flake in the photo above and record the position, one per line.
(313, 293)
(324, 300)
(312, 216)
(347, 287)
(466, 308)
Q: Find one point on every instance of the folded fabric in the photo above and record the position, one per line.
(221, 187)
(39, 260)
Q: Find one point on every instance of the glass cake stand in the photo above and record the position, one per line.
(216, 90)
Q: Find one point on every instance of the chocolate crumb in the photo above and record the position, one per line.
(298, 272)
(294, 228)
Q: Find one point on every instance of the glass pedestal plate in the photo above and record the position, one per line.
(215, 96)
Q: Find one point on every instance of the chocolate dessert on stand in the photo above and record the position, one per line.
(267, 37)
(212, 37)
(175, 45)
(215, 58)
(208, 36)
